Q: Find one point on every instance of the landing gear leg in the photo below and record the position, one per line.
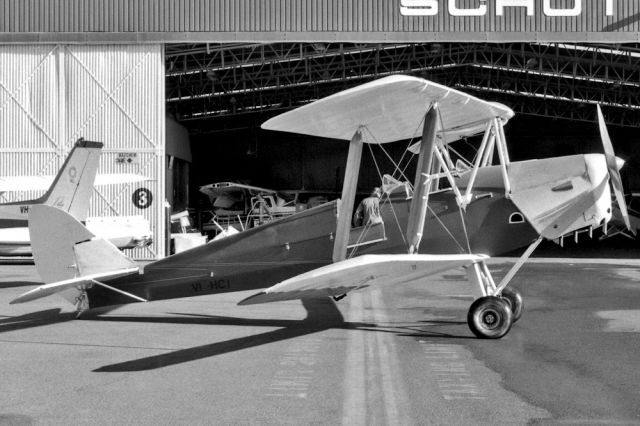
(490, 315)
(512, 296)
(82, 303)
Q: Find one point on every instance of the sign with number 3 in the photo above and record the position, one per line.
(142, 198)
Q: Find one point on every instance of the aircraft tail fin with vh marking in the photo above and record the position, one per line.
(73, 185)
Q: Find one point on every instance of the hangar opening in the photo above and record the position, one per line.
(222, 93)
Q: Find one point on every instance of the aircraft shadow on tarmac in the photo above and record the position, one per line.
(19, 284)
(35, 319)
(322, 314)
(38, 319)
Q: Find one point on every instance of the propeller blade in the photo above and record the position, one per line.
(614, 174)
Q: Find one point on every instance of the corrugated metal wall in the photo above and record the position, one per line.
(52, 95)
(223, 20)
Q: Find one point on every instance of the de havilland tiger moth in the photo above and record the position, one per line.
(428, 227)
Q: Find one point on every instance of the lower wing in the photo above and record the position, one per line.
(360, 272)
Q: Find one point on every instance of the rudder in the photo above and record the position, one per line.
(54, 234)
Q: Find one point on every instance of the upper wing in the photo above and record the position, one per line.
(360, 272)
(216, 189)
(392, 108)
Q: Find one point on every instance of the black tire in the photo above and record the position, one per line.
(514, 298)
(490, 317)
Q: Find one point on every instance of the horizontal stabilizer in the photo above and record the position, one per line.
(360, 272)
(100, 256)
(57, 287)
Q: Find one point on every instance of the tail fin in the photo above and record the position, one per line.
(72, 188)
(69, 258)
(63, 248)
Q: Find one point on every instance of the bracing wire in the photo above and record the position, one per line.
(449, 147)
(367, 226)
(365, 229)
(464, 228)
(446, 229)
(385, 153)
(398, 167)
(388, 200)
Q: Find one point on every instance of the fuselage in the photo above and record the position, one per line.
(576, 195)
(14, 232)
(263, 256)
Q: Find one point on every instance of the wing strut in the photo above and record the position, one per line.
(503, 154)
(345, 207)
(419, 202)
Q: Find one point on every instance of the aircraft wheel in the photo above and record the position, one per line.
(516, 304)
(490, 317)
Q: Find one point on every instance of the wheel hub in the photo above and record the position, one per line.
(490, 319)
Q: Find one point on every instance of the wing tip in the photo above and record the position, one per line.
(252, 300)
(23, 298)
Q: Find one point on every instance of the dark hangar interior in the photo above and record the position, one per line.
(222, 93)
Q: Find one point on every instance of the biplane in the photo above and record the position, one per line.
(446, 217)
(70, 190)
(242, 206)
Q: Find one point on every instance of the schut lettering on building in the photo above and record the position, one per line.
(168, 21)
(526, 20)
(481, 7)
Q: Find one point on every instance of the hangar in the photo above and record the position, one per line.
(177, 90)
(181, 89)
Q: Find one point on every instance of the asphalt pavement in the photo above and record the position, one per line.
(394, 355)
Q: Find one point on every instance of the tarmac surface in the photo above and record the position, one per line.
(394, 355)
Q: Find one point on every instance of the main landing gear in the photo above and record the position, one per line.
(495, 308)
(514, 299)
(491, 317)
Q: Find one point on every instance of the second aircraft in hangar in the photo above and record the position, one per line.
(483, 210)
(70, 190)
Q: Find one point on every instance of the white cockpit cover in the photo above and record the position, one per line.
(391, 108)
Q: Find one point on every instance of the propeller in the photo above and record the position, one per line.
(613, 164)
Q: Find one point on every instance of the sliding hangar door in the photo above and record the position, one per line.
(52, 95)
